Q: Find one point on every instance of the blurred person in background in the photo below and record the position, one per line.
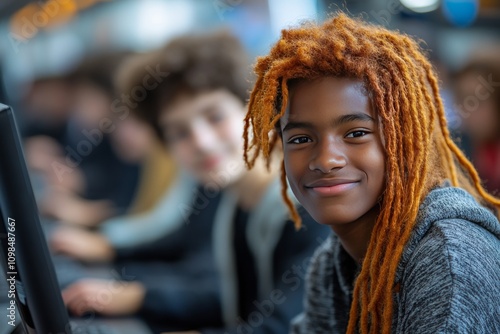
(47, 107)
(44, 115)
(477, 96)
(160, 191)
(237, 257)
(106, 183)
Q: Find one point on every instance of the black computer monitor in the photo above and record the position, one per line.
(26, 257)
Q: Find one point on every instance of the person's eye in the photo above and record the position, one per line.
(357, 134)
(299, 140)
(216, 117)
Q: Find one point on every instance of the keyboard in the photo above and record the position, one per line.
(92, 329)
(109, 326)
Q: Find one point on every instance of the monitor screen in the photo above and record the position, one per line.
(26, 260)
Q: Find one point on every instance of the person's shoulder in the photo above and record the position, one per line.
(452, 278)
(461, 241)
(459, 256)
(451, 218)
(454, 237)
(471, 247)
(458, 230)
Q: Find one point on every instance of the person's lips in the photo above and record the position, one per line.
(331, 187)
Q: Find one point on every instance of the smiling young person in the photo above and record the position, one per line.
(416, 242)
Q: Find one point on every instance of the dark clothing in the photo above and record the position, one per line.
(190, 239)
(58, 132)
(106, 176)
(291, 258)
(245, 266)
(179, 273)
(184, 289)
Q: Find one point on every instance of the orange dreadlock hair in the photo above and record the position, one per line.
(419, 151)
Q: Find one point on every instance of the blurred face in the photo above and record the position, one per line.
(50, 101)
(334, 156)
(204, 133)
(480, 117)
(92, 104)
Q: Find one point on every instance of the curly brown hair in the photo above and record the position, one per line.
(195, 63)
(419, 151)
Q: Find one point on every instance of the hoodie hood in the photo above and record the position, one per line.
(447, 203)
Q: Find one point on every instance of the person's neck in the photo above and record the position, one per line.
(355, 236)
(250, 188)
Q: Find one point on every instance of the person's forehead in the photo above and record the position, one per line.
(190, 105)
(331, 80)
(337, 93)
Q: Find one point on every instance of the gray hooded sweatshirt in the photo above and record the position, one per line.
(448, 276)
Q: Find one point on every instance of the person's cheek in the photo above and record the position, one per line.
(233, 137)
(292, 173)
(237, 126)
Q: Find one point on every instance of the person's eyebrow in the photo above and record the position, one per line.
(341, 120)
(297, 125)
(344, 119)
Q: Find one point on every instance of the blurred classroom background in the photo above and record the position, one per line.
(49, 38)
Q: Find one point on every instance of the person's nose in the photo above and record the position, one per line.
(329, 155)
